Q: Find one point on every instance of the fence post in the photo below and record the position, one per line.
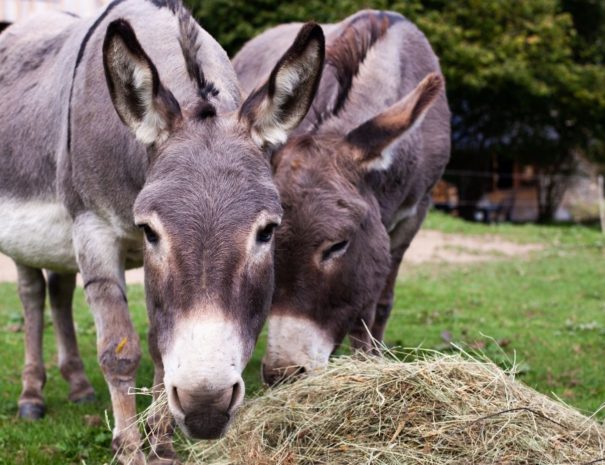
(601, 203)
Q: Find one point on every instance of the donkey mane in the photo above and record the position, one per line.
(349, 50)
(190, 45)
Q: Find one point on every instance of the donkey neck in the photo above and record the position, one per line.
(105, 166)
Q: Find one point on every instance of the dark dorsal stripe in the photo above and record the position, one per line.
(92, 29)
(85, 41)
(349, 50)
(189, 36)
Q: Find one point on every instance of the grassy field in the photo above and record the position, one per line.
(546, 311)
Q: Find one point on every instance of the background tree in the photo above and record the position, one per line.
(519, 88)
(525, 80)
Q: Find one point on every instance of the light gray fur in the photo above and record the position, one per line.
(185, 159)
(84, 189)
(105, 168)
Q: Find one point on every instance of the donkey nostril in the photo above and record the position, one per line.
(175, 398)
(235, 396)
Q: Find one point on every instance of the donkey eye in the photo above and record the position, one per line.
(335, 250)
(151, 236)
(265, 234)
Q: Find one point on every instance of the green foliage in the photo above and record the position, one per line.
(589, 21)
(524, 77)
(233, 22)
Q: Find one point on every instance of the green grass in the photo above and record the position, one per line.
(547, 311)
(562, 235)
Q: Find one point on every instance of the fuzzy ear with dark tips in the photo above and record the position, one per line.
(374, 137)
(278, 107)
(142, 102)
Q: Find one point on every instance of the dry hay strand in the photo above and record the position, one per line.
(441, 409)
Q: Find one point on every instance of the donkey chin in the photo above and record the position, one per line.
(296, 345)
(202, 376)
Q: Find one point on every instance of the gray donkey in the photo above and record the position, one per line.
(354, 180)
(120, 148)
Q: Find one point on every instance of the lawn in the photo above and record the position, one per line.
(545, 311)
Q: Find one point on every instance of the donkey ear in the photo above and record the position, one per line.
(374, 137)
(277, 107)
(142, 102)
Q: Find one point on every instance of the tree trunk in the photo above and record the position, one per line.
(553, 182)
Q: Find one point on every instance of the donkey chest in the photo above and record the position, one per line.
(403, 226)
(401, 215)
(37, 233)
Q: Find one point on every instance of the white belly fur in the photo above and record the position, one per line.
(37, 233)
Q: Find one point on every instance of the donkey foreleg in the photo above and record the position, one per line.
(119, 353)
(361, 337)
(118, 349)
(60, 291)
(385, 302)
(32, 292)
(401, 238)
(368, 334)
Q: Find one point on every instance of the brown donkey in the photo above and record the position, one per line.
(123, 142)
(354, 181)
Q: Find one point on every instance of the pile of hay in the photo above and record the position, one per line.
(443, 409)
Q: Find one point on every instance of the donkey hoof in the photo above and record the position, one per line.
(85, 399)
(31, 411)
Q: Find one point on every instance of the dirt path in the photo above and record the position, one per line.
(435, 246)
(8, 273)
(428, 246)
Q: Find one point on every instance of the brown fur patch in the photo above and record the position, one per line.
(375, 135)
(295, 164)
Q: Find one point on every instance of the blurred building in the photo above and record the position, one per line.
(14, 10)
(503, 190)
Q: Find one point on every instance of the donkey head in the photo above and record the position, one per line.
(208, 211)
(332, 249)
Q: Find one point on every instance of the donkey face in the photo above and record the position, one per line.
(332, 249)
(208, 210)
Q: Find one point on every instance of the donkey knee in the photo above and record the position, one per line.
(120, 359)
(383, 311)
